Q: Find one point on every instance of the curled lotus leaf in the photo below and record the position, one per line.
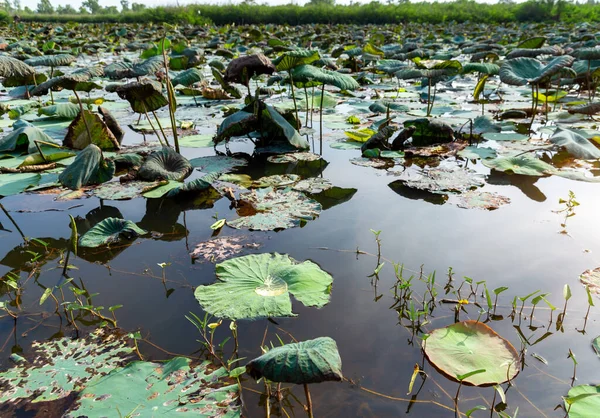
(304, 362)
(587, 54)
(13, 68)
(56, 60)
(60, 110)
(470, 346)
(307, 73)
(77, 134)
(575, 144)
(121, 69)
(60, 367)
(143, 96)
(251, 65)
(156, 389)
(23, 135)
(110, 230)
(276, 209)
(260, 285)
(524, 70)
(585, 109)
(89, 167)
(165, 164)
(292, 59)
(188, 77)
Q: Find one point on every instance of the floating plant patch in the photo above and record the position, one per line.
(525, 165)
(591, 279)
(116, 190)
(59, 367)
(293, 157)
(372, 162)
(169, 389)
(312, 361)
(11, 184)
(260, 286)
(221, 248)
(469, 346)
(439, 180)
(217, 163)
(110, 230)
(276, 209)
(313, 185)
(474, 199)
(475, 153)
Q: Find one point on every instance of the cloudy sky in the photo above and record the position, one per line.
(76, 3)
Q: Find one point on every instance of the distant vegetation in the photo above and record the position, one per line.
(317, 11)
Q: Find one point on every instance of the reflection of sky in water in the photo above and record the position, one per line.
(516, 246)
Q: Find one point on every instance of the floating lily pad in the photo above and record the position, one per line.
(259, 286)
(468, 346)
(293, 157)
(116, 190)
(196, 141)
(474, 199)
(110, 230)
(438, 180)
(60, 367)
(475, 153)
(217, 163)
(591, 278)
(170, 389)
(504, 136)
(583, 401)
(276, 209)
(524, 164)
(277, 180)
(346, 145)
(219, 249)
(575, 144)
(313, 185)
(312, 361)
(11, 184)
(372, 162)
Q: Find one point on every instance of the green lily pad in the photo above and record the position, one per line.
(523, 164)
(11, 184)
(346, 145)
(312, 361)
(276, 209)
(116, 190)
(504, 136)
(162, 189)
(260, 285)
(575, 144)
(108, 231)
(468, 346)
(170, 389)
(217, 164)
(23, 135)
(583, 401)
(475, 153)
(196, 141)
(61, 367)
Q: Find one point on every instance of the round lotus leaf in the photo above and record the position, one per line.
(468, 346)
(524, 70)
(312, 361)
(260, 286)
(583, 401)
(143, 96)
(108, 231)
(523, 164)
(146, 389)
(165, 164)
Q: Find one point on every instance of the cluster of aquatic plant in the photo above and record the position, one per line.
(190, 121)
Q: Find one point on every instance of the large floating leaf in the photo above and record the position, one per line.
(523, 164)
(259, 286)
(165, 164)
(61, 367)
(23, 135)
(77, 135)
(312, 361)
(522, 71)
(575, 144)
(468, 346)
(50, 60)
(237, 124)
(217, 163)
(110, 230)
(11, 184)
(89, 167)
(438, 180)
(158, 389)
(276, 209)
(115, 190)
(583, 401)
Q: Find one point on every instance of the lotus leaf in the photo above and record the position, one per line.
(23, 135)
(143, 96)
(522, 71)
(585, 109)
(61, 110)
(11, 184)
(439, 180)
(575, 144)
(221, 248)
(260, 285)
(307, 73)
(591, 278)
(115, 190)
(11, 67)
(240, 70)
(238, 124)
(524, 164)
(165, 164)
(285, 129)
(57, 60)
(77, 134)
(158, 389)
(89, 167)
(292, 59)
(504, 136)
(227, 88)
(312, 361)
(312, 185)
(108, 231)
(474, 153)
(217, 163)
(467, 346)
(188, 77)
(583, 401)
(474, 199)
(294, 157)
(61, 367)
(333, 196)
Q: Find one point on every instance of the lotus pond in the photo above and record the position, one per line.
(290, 221)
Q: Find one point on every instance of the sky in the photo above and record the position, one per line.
(76, 3)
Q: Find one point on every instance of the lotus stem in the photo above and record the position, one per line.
(161, 128)
(428, 96)
(40, 151)
(152, 126)
(306, 97)
(51, 75)
(321, 121)
(13, 222)
(294, 99)
(171, 98)
(87, 128)
(308, 401)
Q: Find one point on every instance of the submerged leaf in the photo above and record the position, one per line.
(259, 286)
